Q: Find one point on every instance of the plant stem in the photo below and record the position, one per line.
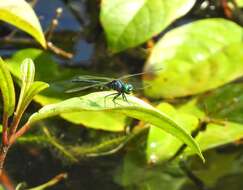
(19, 133)
(3, 153)
(5, 141)
(6, 181)
(5, 129)
(14, 125)
(52, 182)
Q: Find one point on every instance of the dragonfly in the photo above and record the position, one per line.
(117, 84)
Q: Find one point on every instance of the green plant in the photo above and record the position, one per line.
(197, 96)
(92, 103)
(29, 89)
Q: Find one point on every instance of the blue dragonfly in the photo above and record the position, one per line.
(122, 88)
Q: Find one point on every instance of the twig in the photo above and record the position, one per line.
(197, 181)
(33, 3)
(59, 51)
(54, 24)
(49, 33)
(25, 41)
(52, 182)
(227, 9)
(6, 182)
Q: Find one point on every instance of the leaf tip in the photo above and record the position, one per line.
(202, 157)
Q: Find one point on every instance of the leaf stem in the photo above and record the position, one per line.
(15, 123)
(19, 133)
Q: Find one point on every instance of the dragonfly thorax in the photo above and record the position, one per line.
(120, 86)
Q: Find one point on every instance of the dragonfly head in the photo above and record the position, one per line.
(128, 88)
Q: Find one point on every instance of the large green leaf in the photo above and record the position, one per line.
(7, 89)
(128, 23)
(239, 2)
(224, 103)
(134, 173)
(162, 146)
(20, 14)
(213, 174)
(196, 57)
(217, 135)
(135, 109)
(223, 106)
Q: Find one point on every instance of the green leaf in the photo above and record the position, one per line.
(7, 88)
(128, 23)
(239, 3)
(224, 107)
(162, 146)
(195, 58)
(224, 103)
(135, 173)
(34, 89)
(59, 79)
(212, 171)
(136, 109)
(20, 14)
(29, 88)
(27, 70)
(217, 135)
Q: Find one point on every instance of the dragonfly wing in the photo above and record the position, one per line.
(85, 87)
(90, 78)
(139, 74)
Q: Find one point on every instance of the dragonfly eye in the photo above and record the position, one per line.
(129, 88)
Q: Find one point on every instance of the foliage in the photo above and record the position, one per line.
(195, 60)
(129, 23)
(192, 100)
(20, 14)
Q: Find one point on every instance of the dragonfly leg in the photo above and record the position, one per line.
(125, 98)
(108, 96)
(115, 97)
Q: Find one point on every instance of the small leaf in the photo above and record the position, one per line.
(128, 23)
(20, 14)
(27, 70)
(29, 88)
(33, 90)
(136, 109)
(7, 88)
(196, 58)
